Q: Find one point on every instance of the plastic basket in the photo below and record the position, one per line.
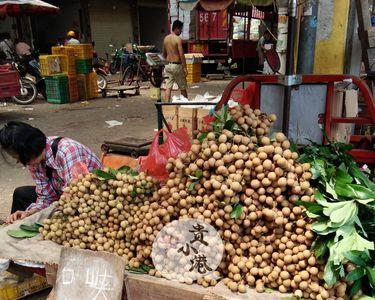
(82, 51)
(53, 64)
(83, 87)
(73, 88)
(83, 66)
(93, 85)
(57, 89)
(68, 64)
(57, 50)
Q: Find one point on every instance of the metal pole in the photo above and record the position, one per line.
(289, 69)
(160, 121)
(307, 38)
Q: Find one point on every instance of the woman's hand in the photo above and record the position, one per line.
(20, 215)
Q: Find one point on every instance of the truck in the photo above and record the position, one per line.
(225, 32)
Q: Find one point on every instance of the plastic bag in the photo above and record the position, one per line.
(175, 143)
(244, 96)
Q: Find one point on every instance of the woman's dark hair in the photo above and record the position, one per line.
(23, 140)
(177, 25)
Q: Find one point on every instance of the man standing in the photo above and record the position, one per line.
(176, 68)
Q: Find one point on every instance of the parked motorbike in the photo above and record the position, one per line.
(101, 68)
(27, 66)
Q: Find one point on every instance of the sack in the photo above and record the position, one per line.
(175, 143)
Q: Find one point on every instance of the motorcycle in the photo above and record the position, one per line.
(101, 68)
(27, 66)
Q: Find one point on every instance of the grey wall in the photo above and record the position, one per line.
(307, 102)
(110, 24)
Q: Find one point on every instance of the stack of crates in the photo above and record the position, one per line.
(69, 75)
(86, 78)
(55, 69)
(193, 64)
(84, 55)
(194, 73)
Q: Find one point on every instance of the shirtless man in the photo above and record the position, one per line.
(176, 68)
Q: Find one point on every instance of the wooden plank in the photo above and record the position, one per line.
(144, 287)
(121, 88)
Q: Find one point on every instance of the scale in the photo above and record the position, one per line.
(157, 63)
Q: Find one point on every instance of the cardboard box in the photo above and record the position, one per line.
(171, 115)
(201, 113)
(194, 58)
(187, 117)
(345, 104)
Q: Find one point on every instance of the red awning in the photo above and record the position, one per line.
(215, 5)
(25, 7)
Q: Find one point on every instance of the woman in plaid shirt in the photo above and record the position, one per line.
(52, 161)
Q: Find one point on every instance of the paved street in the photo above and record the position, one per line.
(84, 122)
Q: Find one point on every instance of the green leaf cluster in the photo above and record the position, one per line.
(344, 214)
(25, 231)
(111, 174)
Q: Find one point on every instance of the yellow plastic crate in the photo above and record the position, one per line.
(83, 87)
(82, 51)
(57, 50)
(12, 290)
(93, 85)
(53, 64)
(69, 64)
(63, 50)
(73, 88)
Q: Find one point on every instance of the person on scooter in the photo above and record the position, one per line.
(22, 48)
(71, 38)
(52, 161)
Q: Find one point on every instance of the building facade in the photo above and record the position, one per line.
(110, 22)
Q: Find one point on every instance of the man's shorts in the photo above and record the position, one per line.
(175, 73)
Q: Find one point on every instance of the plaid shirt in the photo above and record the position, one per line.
(72, 159)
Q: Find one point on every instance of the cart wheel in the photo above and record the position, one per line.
(121, 94)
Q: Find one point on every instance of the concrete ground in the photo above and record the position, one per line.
(84, 122)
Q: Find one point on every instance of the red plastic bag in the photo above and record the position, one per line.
(245, 96)
(175, 143)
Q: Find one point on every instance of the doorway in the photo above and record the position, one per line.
(153, 25)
